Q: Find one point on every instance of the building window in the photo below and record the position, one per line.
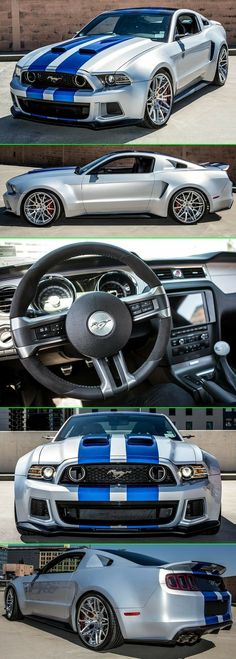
(188, 411)
(189, 425)
(209, 411)
(209, 425)
(171, 411)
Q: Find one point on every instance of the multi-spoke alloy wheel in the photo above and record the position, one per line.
(41, 208)
(159, 100)
(97, 624)
(222, 67)
(188, 206)
(93, 621)
(11, 605)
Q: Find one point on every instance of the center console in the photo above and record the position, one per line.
(193, 324)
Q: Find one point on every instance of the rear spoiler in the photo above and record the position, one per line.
(215, 165)
(213, 568)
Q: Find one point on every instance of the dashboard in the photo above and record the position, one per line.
(201, 291)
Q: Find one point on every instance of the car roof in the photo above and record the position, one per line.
(156, 10)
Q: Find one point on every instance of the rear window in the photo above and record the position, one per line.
(139, 559)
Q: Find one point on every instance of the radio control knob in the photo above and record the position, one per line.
(181, 341)
(204, 336)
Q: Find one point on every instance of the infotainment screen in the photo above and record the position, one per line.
(188, 309)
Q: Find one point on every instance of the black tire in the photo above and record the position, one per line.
(220, 78)
(13, 611)
(114, 637)
(147, 120)
(172, 209)
(57, 209)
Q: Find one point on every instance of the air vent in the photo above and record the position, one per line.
(168, 274)
(139, 440)
(96, 440)
(193, 273)
(6, 295)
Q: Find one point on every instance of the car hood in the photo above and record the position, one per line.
(95, 449)
(47, 173)
(92, 54)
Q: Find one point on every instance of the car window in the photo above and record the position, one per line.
(128, 423)
(126, 165)
(64, 564)
(153, 25)
(187, 25)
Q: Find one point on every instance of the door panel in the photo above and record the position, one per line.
(50, 595)
(114, 193)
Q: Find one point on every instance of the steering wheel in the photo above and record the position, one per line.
(98, 325)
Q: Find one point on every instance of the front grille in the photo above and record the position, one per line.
(116, 513)
(119, 473)
(49, 109)
(216, 608)
(44, 79)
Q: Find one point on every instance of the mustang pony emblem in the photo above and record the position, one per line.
(118, 474)
(54, 78)
(99, 324)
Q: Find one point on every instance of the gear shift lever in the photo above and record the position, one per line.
(222, 349)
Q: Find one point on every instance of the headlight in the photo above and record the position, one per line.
(17, 71)
(114, 79)
(11, 188)
(44, 472)
(189, 472)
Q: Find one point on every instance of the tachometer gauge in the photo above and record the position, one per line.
(117, 283)
(54, 293)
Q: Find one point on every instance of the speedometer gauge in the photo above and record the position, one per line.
(117, 283)
(54, 293)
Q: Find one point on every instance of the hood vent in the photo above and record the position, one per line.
(6, 295)
(87, 51)
(186, 273)
(139, 440)
(58, 49)
(96, 440)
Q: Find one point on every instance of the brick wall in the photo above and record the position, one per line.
(46, 21)
(51, 156)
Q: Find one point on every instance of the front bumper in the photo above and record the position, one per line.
(11, 202)
(117, 512)
(98, 107)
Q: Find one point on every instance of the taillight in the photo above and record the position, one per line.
(181, 582)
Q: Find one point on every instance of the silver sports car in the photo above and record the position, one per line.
(110, 596)
(126, 65)
(117, 472)
(122, 182)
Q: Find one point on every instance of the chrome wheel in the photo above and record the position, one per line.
(10, 601)
(40, 208)
(188, 206)
(159, 100)
(223, 65)
(93, 621)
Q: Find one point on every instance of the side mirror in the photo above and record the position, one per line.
(37, 575)
(48, 438)
(178, 37)
(93, 178)
(188, 436)
(77, 170)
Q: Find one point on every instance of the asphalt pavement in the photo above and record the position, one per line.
(207, 117)
(212, 226)
(50, 640)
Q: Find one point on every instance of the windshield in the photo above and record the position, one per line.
(147, 24)
(131, 423)
(16, 251)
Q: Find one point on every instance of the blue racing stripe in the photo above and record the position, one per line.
(94, 453)
(139, 453)
(75, 61)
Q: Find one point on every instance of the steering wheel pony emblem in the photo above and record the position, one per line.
(118, 473)
(100, 323)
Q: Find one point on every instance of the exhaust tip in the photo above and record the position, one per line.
(188, 638)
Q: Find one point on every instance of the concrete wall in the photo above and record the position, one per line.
(57, 156)
(221, 443)
(28, 24)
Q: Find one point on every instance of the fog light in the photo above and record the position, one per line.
(195, 508)
(39, 508)
(164, 513)
(77, 474)
(157, 473)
